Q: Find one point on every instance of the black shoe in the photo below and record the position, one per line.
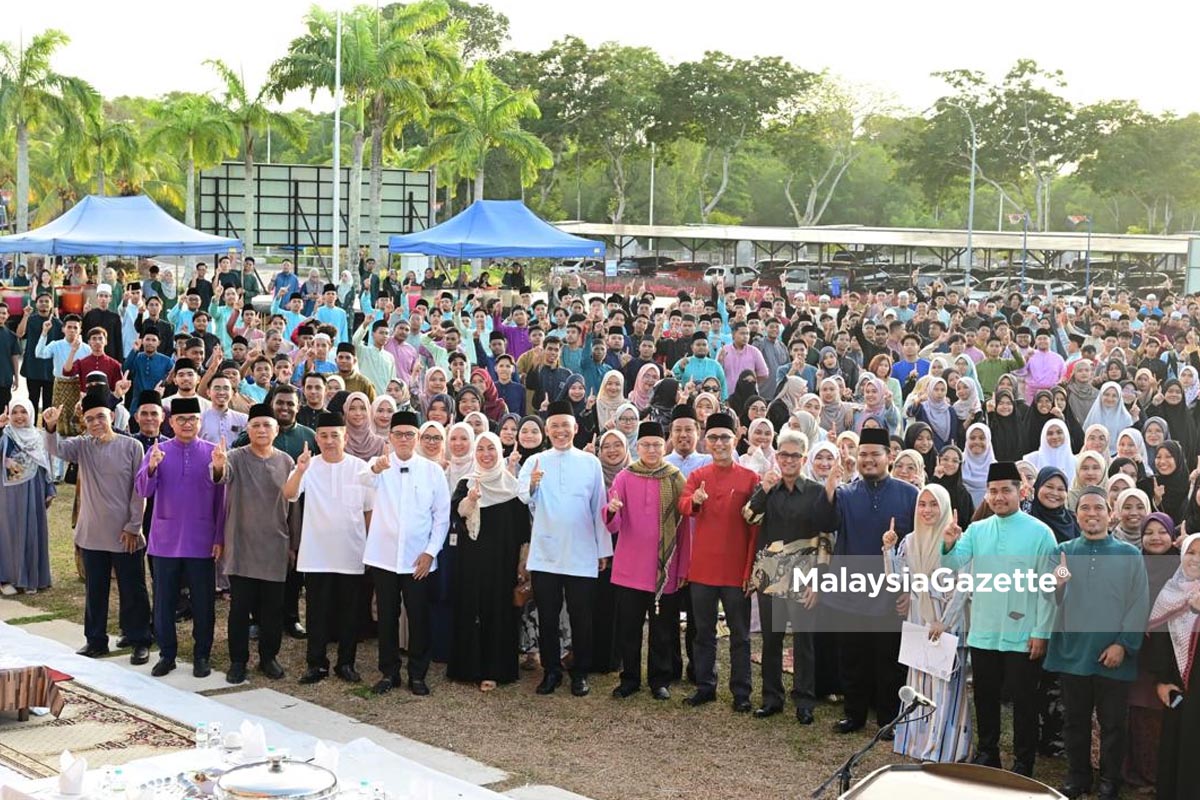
(1108, 790)
(804, 716)
(201, 668)
(767, 711)
(1022, 768)
(162, 667)
(140, 655)
(742, 706)
(313, 675)
(1071, 790)
(418, 687)
(699, 698)
(888, 736)
(183, 615)
(579, 687)
(550, 682)
(124, 642)
(295, 630)
(253, 633)
(660, 693)
(348, 673)
(987, 760)
(624, 690)
(236, 673)
(691, 674)
(847, 726)
(92, 652)
(385, 685)
(272, 669)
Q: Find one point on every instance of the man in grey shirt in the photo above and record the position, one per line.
(109, 531)
(257, 544)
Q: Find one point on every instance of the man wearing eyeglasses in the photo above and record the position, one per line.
(409, 522)
(722, 554)
(188, 533)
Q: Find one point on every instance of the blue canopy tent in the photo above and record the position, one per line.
(495, 229)
(117, 226)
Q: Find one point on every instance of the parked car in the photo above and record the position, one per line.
(573, 266)
(689, 270)
(646, 265)
(733, 275)
(771, 272)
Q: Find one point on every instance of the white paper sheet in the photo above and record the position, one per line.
(916, 651)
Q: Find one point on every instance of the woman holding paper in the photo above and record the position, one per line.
(944, 735)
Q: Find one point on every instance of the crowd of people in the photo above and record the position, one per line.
(505, 481)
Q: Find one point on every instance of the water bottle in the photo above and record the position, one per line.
(214, 735)
(116, 786)
(202, 736)
(360, 792)
(378, 792)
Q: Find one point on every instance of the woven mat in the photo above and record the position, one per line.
(100, 728)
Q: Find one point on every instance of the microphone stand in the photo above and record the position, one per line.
(845, 772)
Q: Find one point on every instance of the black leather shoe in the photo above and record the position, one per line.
(162, 667)
(1072, 790)
(579, 687)
(742, 706)
(384, 685)
(987, 760)
(272, 669)
(767, 711)
(236, 673)
(847, 726)
(348, 673)
(140, 655)
(418, 687)
(804, 716)
(1108, 790)
(124, 642)
(699, 698)
(295, 630)
(624, 690)
(1021, 768)
(313, 675)
(183, 614)
(550, 682)
(92, 652)
(201, 668)
(660, 693)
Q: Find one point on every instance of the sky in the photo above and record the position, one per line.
(1141, 51)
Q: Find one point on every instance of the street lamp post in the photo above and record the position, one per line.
(971, 195)
(1087, 255)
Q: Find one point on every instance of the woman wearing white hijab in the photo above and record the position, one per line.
(1055, 450)
(760, 456)
(945, 736)
(1130, 444)
(1109, 411)
(1191, 387)
(460, 448)
(977, 457)
(609, 399)
(25, 493)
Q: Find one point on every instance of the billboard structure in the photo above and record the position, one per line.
(293, 208)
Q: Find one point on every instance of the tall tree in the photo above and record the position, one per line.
(198, 127)
(33, 94)
(720, 101)
(486, 115)
(97, 146)
(251, 115)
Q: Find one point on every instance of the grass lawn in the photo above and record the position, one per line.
(635, 749)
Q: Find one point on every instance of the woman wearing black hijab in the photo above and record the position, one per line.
(1007, 427)
(1118, 464)
(1048, 507)
(1174, 411)
(950, 461)
(1074, 429)
(745, 388)
(1041, 412)
(662, 402)
(911, 437)
(1167, 488)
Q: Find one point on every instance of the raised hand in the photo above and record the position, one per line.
(771, 479)
(220, 457)
(535, 476)
(475, 492)
(952, 534)
(890, 539)
(591, 402)
(50, 417)
(514, 459)
(156, 457)
(615, 505)
(1061, 573)
(46, 326)
(700, 495)
(381, 463)
(303, 460)
(1159, 491)
(122, 387)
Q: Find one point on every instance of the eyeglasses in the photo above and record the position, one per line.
(185, 420)
(430, 438)
(719, 437)
(403, 435)
(788, 456)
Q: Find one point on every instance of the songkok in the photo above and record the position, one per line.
(650, 428)
(149, 397)
(330, 419)
(295, 296)
(877, 436)
(720, 420)
(699, 336)
(95, 399)
(185, 363)
(345, 347)
(260, 410)
(329, 287)
(560, 407)
(408, 418)
(185, 405)
(1003, 471)
(683, 411)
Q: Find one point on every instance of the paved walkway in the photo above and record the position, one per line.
(290, 712)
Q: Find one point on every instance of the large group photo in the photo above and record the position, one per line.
(429, 401)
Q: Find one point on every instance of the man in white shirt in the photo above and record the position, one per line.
(337, 509)
(219, 422)
(569, 544)
(409, 522)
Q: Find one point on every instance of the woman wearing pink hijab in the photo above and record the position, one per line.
(643, 386)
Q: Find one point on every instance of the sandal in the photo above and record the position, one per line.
(487, 686)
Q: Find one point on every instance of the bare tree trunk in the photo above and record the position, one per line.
(248, 193)
(375, 200)
(189, 205)
(479, 182)
(354, 225)
(22, 177)
(433, 209)
(618, 180)
(787, 192)
(726, 160)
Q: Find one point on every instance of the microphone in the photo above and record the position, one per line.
(909, 695)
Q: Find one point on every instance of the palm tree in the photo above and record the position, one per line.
(31, 95)
(251, 116)
(196, 125)
(97, 146)
(486, 115)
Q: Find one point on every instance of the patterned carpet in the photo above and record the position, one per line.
(102, 729)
